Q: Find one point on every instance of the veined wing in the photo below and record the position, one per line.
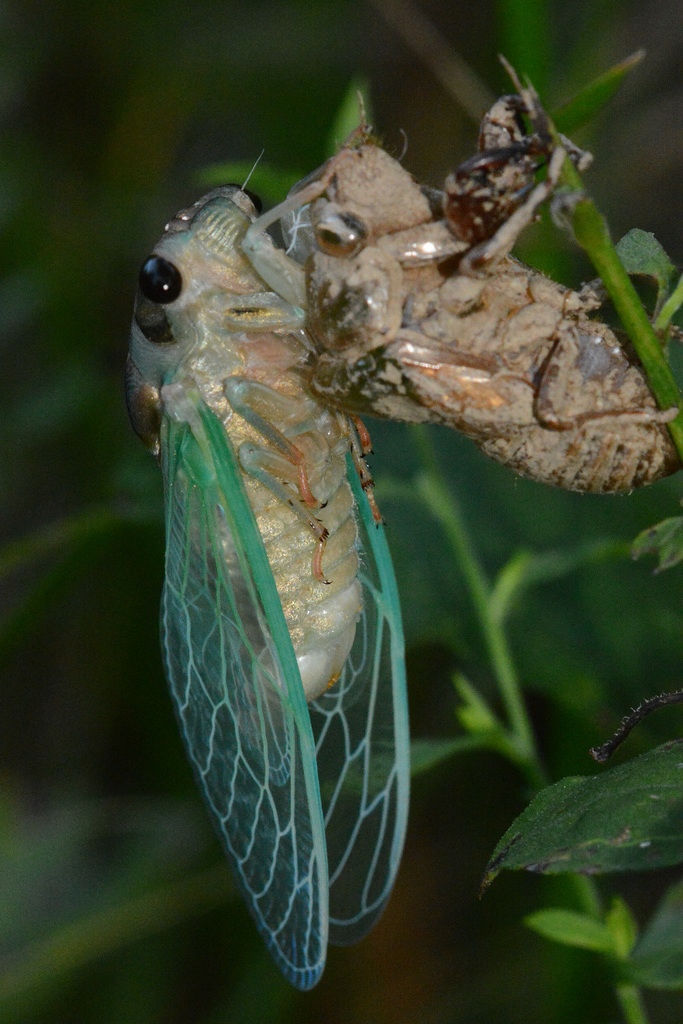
(362, 745)
(237, 691)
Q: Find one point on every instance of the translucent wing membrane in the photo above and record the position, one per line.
(238, 696)
(362, 746)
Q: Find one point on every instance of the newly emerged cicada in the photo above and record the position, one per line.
(423, 316)
(280, 622)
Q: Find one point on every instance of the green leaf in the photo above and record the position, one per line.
(657, 960)
(628, 818)
(526, 569)
(427, 753)
(665, 540)
(474, 713)
(583, 107)
(640, 253)
(623, 927)
(572, 929)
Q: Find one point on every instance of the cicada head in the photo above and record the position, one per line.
(181, 297)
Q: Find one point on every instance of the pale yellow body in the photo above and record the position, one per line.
(218, 332)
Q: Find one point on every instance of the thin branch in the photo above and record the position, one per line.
(663, 700)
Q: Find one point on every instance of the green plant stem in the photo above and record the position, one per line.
(592, 234)
(522, 749)
(444, 508)
(631, 1003)
(670, 307)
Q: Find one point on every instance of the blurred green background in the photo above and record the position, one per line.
(114, 902)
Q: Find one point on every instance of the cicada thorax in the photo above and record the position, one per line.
(201, 329)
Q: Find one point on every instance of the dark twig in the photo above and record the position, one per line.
(663, 700)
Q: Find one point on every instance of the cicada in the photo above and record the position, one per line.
(423, 316)
(280, 621)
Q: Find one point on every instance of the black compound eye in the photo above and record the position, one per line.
(256, 200)
(160, 280)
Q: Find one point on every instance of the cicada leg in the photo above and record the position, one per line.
(540, 122)
(259, 404)
(577, 383)
(270, 468)
(245, 397)
(276, 268)
(491, 198)
(361, 446)
(363, 435)
(500, 244)
(261, 311)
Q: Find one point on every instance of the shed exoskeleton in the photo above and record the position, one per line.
(421, 314)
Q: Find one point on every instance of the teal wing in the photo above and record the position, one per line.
(237, 691)
(362, 744)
